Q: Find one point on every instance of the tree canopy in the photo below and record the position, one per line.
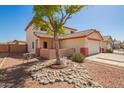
(54, 17)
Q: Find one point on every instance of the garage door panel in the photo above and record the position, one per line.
(93, 47)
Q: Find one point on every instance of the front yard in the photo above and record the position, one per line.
(108, 76)
(15, 72)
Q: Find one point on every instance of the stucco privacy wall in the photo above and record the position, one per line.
(76, 43)
(50, 53)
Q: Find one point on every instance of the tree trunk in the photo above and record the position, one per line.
(58, 62)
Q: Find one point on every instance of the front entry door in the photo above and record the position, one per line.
(45, 45)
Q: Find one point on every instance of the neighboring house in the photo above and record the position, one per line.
(107, 42)
(17, 42)
(116, 44)
(87, 42)
(122, 45)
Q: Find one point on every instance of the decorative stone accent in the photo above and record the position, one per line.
(76, 74)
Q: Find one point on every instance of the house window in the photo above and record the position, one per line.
(32, 45)
(72, 32)
(43, 29)
(44, 44)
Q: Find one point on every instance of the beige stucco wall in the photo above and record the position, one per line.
(30, 37)
(68, 31)
(51, 54)
(110, 43)
(76, 43)
(49, 42)
(93, 45)
(104, 45)
(95, 36)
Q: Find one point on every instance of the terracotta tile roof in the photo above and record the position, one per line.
(42, 34)
(80, 33)
(76, 34)
(71, 28)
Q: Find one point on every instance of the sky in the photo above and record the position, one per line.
(109, 20)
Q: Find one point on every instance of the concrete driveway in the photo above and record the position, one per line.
(109, 58)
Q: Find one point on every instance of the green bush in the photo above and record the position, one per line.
(77, 57)
(109, 50)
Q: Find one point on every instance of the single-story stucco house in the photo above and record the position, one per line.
(17, 42)
(116, 44)
(107, 42)
(87, 42)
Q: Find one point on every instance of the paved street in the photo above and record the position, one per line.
(119, 52)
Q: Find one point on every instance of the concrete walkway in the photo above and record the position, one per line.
(108, 58)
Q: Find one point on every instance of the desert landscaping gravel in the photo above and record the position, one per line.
(16, 73)
(106, 75)
(76, 74)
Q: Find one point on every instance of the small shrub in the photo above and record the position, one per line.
(109, 50)
(77, 57)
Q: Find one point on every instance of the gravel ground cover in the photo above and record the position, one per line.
(106, 75)
(16, 73)
(76, 74)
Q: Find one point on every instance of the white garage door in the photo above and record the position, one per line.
(93, 47)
